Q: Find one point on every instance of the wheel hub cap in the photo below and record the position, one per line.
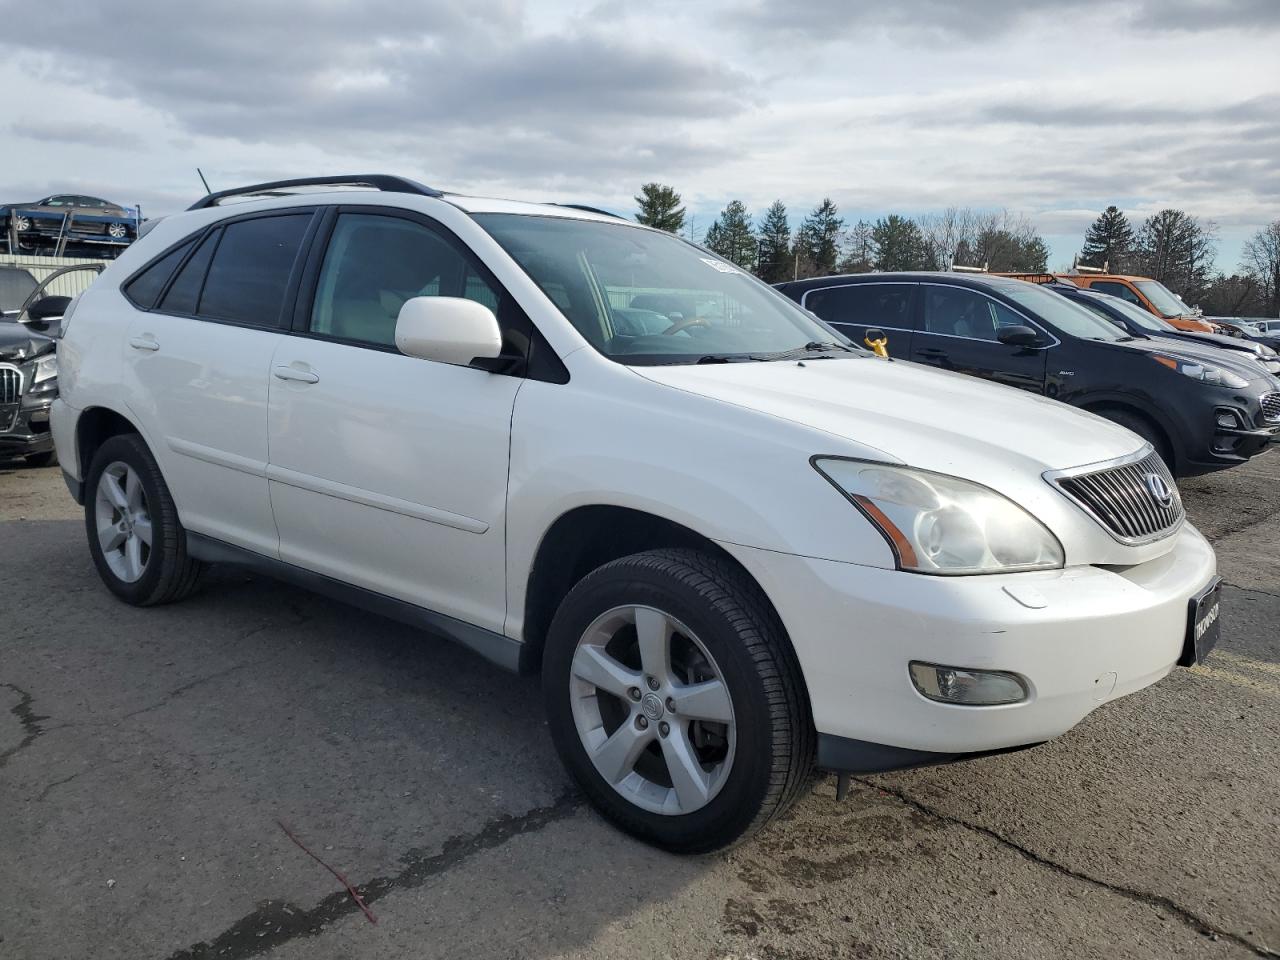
(652, 707)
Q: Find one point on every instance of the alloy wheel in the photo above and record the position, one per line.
(652, 710)
(123, 522)
(116, 231)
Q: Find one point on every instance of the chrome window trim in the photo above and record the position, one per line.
(1053, 476)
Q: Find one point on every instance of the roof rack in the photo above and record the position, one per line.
(375, 181)
(1078, 267)
(953, 267)
(583, 206)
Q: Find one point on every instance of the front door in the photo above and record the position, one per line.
(958, 332)
(387, 471)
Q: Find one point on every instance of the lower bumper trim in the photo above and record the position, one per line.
(845, 755)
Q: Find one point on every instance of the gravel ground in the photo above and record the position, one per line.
(148, 759)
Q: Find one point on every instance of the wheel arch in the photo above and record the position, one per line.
(586, 537)
(94, 427)
(1102, 402)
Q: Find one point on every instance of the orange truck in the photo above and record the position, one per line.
(1151, 295)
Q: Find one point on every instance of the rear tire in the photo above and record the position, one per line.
(697, 783)
(1144, 428)
(127, 504)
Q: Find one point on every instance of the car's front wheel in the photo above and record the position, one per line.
(136, 541)
(675, 700)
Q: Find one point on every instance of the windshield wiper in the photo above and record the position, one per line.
(729, 358)
(813, 346)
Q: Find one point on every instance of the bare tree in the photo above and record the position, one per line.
(1262, 261)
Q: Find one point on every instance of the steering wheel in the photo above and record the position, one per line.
(684, 324)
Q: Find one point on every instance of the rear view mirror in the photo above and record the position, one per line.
(447, 330)
(1018, 336)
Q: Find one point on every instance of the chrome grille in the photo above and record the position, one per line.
(1123, 498)
(10, 384)
(1271, 407)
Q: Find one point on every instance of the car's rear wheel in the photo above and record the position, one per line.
(675, 700)
(136, 541)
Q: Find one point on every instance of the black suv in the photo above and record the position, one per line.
(1201, 414)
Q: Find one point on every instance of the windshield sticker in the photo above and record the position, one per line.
(722, 267)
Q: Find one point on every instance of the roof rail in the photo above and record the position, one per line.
(376, 181)
(583, 206)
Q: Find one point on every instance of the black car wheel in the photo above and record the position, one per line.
(1144, 428)
(675, 700)
(136, 541)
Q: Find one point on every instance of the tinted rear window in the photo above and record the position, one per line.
(145, 288)
(250, 271)
(871, 304)
(184, 292)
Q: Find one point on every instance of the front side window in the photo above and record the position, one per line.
(1163, 299)
(959, 312)
(867, 304)
(374, 264)
(249, 273)
(639, 296)
(1060, 313)
(1115, 289)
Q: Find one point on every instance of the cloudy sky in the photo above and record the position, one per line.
(1050, 109)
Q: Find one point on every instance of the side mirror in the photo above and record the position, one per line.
(48, 308)
(1018, 336)
(447, 330)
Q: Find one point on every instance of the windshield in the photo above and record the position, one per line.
(1163, 299)
(1068, 317)
(643, 297)
(1134, 314)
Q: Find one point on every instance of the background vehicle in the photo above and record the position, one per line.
(75, 218)
(1200, 415)
(459, 411)
(1151, 295)
(1139, 323)
(28, 385)
(1266, 332)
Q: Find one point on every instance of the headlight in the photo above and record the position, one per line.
(1265, 350)
(1203, 372)
(46, 369)
(944, 525)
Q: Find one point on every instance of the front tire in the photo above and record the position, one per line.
(1144, 428)
(675, 700)
(136, 541)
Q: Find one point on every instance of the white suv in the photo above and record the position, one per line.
(735, 545)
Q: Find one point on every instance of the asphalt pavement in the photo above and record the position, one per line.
(153, 764)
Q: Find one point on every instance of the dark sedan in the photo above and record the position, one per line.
(78, 217)
(1199, 414)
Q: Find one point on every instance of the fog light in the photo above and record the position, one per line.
(1228, 419)
(975, 688)
(40, 416)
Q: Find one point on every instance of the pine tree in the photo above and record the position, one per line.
(775, 263)
(1109, 241)
(732, 237)
(1176, 249)
(818, 240)
(660, 207)
(899, 244)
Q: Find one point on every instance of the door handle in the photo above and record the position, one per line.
(932, 352)
(144, 343)
(283, 371)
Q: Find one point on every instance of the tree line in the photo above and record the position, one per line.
(1171, 246)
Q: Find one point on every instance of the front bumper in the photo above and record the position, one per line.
(24, 427)
(1089, 635)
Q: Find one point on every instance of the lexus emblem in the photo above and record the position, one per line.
(1158, 489)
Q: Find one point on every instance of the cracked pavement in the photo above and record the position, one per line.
(146, 757)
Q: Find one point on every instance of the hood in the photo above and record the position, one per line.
(17, 343)
(1219, 340)
(1236, 361)
(934, 419)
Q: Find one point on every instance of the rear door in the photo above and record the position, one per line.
(958, 332)
(855, 308)
(197, 362)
